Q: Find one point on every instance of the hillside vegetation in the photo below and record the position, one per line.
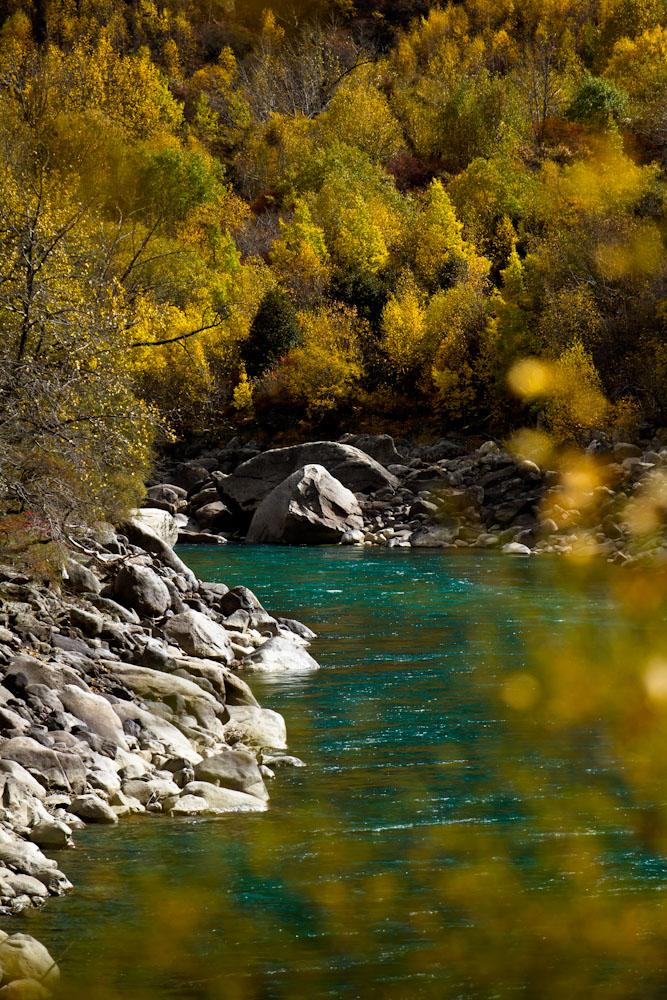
(332, 216)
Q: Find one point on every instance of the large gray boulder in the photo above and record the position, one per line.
(95, 712)
(381, 447)
(236, 769)
(310, 507)
(254, 479)
(52, 767)
(142, 589)
(182, 696)
(279, 655)
(198, 635)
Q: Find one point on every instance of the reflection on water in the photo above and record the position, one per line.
(484, 813)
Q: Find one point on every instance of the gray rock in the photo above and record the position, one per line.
(26, 885)
(283, 761)
(309, 507)
(142, 534)
(151, 791)
(142, 589)
(254, 479)
(51, 833)
(92, 809)
(52, 675)
(232, 769)
(198, 635)
(22, 777)
(55, 768)
(435, 537)
(81, 579)
(89, 623)
(95, 712)
(279, 654)
(222, 800)
(237, 692)
(516, 549)
(189, 805)
(26, 857)
(258, 727)
(381, 447)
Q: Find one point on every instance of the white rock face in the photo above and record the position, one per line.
(279, 655)
(159, 521)
(259, 727)
(516, 549)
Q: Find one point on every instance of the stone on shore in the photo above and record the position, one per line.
(159, 522)
(198, 635)
(309, 508)
(142, 589)
(53, 767)
(222, 800)
(279, 655)
(22, 957)
(254, 479)
(237, 769)
(24, 989)
(92, 809)
(258, 727)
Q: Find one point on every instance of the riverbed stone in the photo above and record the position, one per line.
(198, 635)
(232, 769)
(142, 589)
(222, 800)
(309, 507)
(279, 655)
(254, 479)
(23, 957)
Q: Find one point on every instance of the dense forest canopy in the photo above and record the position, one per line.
(322, 216)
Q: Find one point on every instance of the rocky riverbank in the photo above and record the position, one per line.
(121, 693)
(610, 501)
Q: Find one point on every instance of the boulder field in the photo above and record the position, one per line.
(122, 692)
(369, 490)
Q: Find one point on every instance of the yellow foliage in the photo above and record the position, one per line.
(325, 369)
(359, 115)
(242, 396)
(404, 329)
(300, 256)
(128, 89)
(570, 387)
(359, 241)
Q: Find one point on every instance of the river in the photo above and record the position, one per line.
(473, 820)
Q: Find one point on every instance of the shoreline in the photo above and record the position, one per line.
(123, 691)
(607, 502)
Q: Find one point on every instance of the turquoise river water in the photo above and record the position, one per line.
(462, 829)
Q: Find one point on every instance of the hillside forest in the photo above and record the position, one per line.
(319, 218)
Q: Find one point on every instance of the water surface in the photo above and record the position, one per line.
(469, 823)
